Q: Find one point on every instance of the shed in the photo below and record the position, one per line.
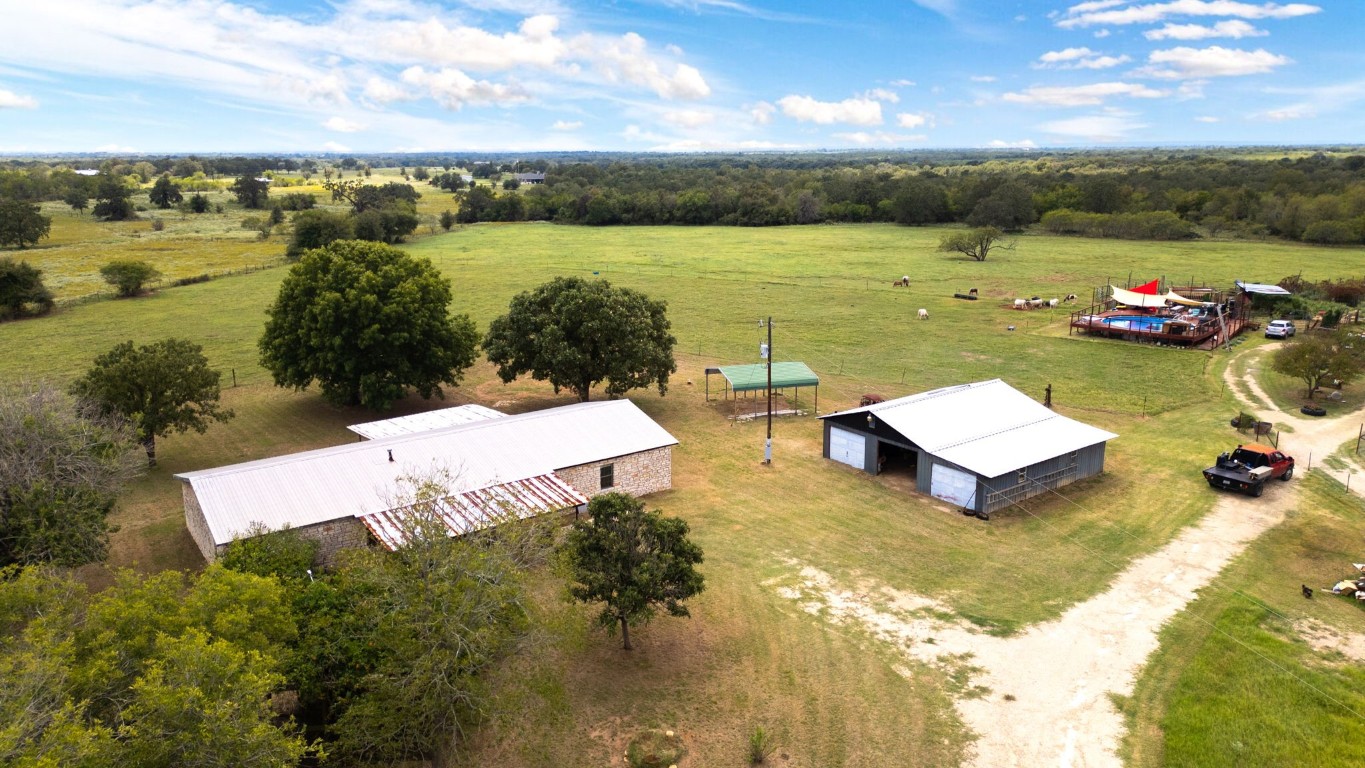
(754, 378)
(531, 463)
(980, 446)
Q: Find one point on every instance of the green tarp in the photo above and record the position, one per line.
(746, 378)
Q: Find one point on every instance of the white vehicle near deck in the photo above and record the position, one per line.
(1279, 329)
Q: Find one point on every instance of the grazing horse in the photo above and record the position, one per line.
(1052, 303)
(1070, 298)
(924, 314)
(904, 282)
(1021, 304)
(971, 292)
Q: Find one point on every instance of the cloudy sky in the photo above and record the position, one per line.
(673, 75)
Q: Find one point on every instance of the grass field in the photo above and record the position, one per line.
(834, 695)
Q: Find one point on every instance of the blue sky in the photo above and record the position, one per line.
(159, 76)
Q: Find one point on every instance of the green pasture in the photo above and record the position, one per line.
(747, 656)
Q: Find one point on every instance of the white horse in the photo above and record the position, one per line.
(924, 314)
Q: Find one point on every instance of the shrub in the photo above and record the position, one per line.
(760, 744)
(22, 291)
(128, 276)
(204, 278)
(158, 225)
(283, 554)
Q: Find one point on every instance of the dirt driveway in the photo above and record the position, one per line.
(1045, 700)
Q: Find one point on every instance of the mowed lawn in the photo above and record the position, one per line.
(747, 656)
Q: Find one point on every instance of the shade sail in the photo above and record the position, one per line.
(746, 378)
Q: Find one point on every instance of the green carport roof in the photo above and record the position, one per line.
(745, 378)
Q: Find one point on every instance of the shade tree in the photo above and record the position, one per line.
(366, 322)
(577, 334)
(160, 388)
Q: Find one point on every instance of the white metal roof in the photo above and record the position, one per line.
(987, 427)
(357, 479)
(1269, 290)
(422, 422)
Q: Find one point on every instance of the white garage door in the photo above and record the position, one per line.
(953, 485)
(847, 447)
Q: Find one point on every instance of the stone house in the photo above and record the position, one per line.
(528, 464)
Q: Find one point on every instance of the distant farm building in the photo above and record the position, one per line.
(980, 446)
(530, 178)
(524, 465)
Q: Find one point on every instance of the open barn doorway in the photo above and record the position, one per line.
(897, 464)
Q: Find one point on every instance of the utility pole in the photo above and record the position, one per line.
(768, 353)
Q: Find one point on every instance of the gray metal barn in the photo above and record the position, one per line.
(980, 446)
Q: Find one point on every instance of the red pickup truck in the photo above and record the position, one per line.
(1247, 468)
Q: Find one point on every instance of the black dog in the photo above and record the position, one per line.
(1307, 591)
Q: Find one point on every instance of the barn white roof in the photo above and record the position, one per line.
(987, 427)
(422, 422)
(357, 479)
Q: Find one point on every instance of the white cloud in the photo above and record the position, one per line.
(566, 125)
(333, 146)
(1207, 119)
(1100, 34)
(852, 111)
(1021, 144)
(1092, 14)
(1295, 112)
(902, 83)
(1081, 95)
(1078, 58)
(983, 78)
(1214, 61)
(625, 59)
(454, 89)
(382, 91)
(913, 120)
(714, 145)
(1096, 128)
(865, 138)
(341, 51)
(342, 125)
(882, 94)
(1191, 89)
(762, 113)
(1235, 29)
(12, 100)
(689, 118)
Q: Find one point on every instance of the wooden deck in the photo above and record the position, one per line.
(1206, 334)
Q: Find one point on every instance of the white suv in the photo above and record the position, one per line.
(1279, 329)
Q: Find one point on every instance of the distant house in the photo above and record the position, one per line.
(980, 446)
(529, 178)
(524, 465)
(86, 172)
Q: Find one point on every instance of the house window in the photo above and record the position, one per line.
(1023, 476)
(607, 476)
(1074, 456)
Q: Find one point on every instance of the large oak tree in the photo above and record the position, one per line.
(577, 333)
(367, 322)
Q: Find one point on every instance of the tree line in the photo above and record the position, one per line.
(1316, 198)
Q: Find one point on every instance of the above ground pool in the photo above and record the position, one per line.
(1136, 322)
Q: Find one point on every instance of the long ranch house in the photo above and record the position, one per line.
(529, 464)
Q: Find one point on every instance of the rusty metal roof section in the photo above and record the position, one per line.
(478, 509)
